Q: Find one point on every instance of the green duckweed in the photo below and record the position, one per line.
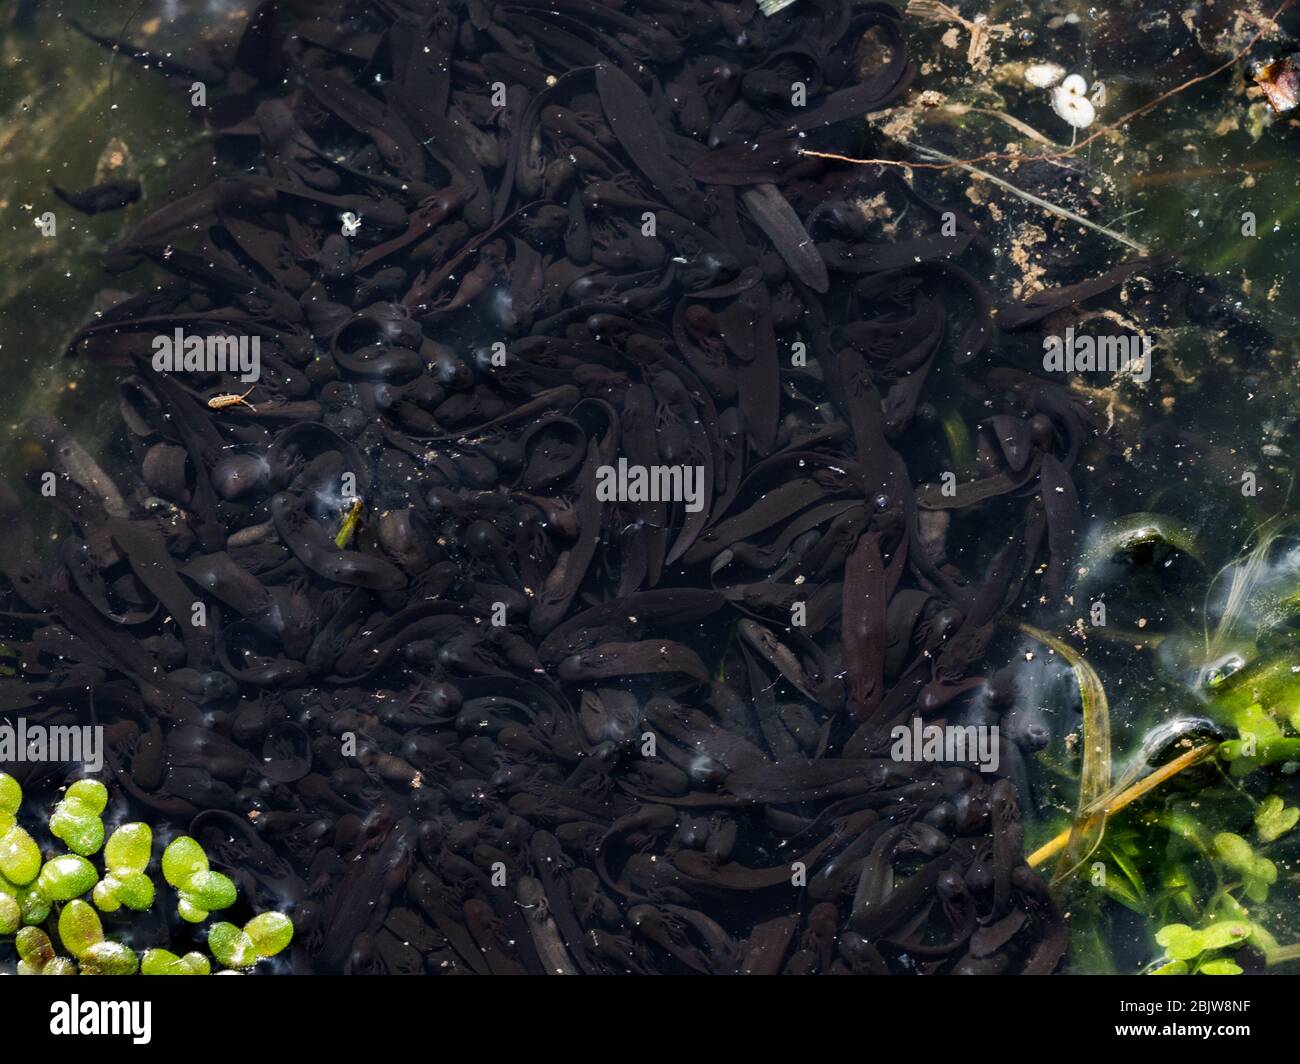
(20, 857)
(66, 877)
(79, 927)
(76, 819)
(232, 946)
(32, 892)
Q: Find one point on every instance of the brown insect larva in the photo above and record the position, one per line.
(220, 402)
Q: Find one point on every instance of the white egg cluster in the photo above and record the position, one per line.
(1069, 93)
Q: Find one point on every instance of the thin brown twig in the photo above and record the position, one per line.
(1038, 201)
(1114, 803)
(1001, 156)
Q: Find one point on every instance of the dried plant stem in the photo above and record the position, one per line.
(1037, 201)
(961, 109)
(1127, 797)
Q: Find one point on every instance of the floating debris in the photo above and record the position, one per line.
(1044, 75)
(982, 32)
(1280, 81)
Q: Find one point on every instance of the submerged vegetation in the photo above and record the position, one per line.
(1201, 826)
(1183, 686)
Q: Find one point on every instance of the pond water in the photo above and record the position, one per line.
(1205, 447)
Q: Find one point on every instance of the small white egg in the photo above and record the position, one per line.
(1075, 84)
(1070, 103)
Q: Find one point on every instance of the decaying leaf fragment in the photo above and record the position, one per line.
(981, 30)
(1280, 81)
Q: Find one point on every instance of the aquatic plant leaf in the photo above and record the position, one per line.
(232, 946)
(79, 927)
(1222, 966)
(67, 877)
(129, 848)
(1123, 892)
(1181, 942)
(81, 834)
(1246, 576)
(34, 947)
(90, 794)
(269, 932)
(136, 891)
(160, 962)
(1223, 934)
(1125, 864)
(109, 958)
(1095, 771)
(11, 793)
(105, 895)
(20, 857)
(209, 891)
(1234, 851)
(1274, 818)
(182, 859)
(1184, 943)
(11, 915)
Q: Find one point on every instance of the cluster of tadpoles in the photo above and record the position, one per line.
(365, 630)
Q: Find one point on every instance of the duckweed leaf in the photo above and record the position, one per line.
(79, 927)
(11, 793)
(89, 794)
(136, 891)
(181, 860)
(35, 905)
(81, 834)
(67, 877)
(210, 890)
(129, 848)
(20, 857)
(159, 962)
(232, 946)
(270, 933)
(34, 947)
(109, 958)
(189, 912)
